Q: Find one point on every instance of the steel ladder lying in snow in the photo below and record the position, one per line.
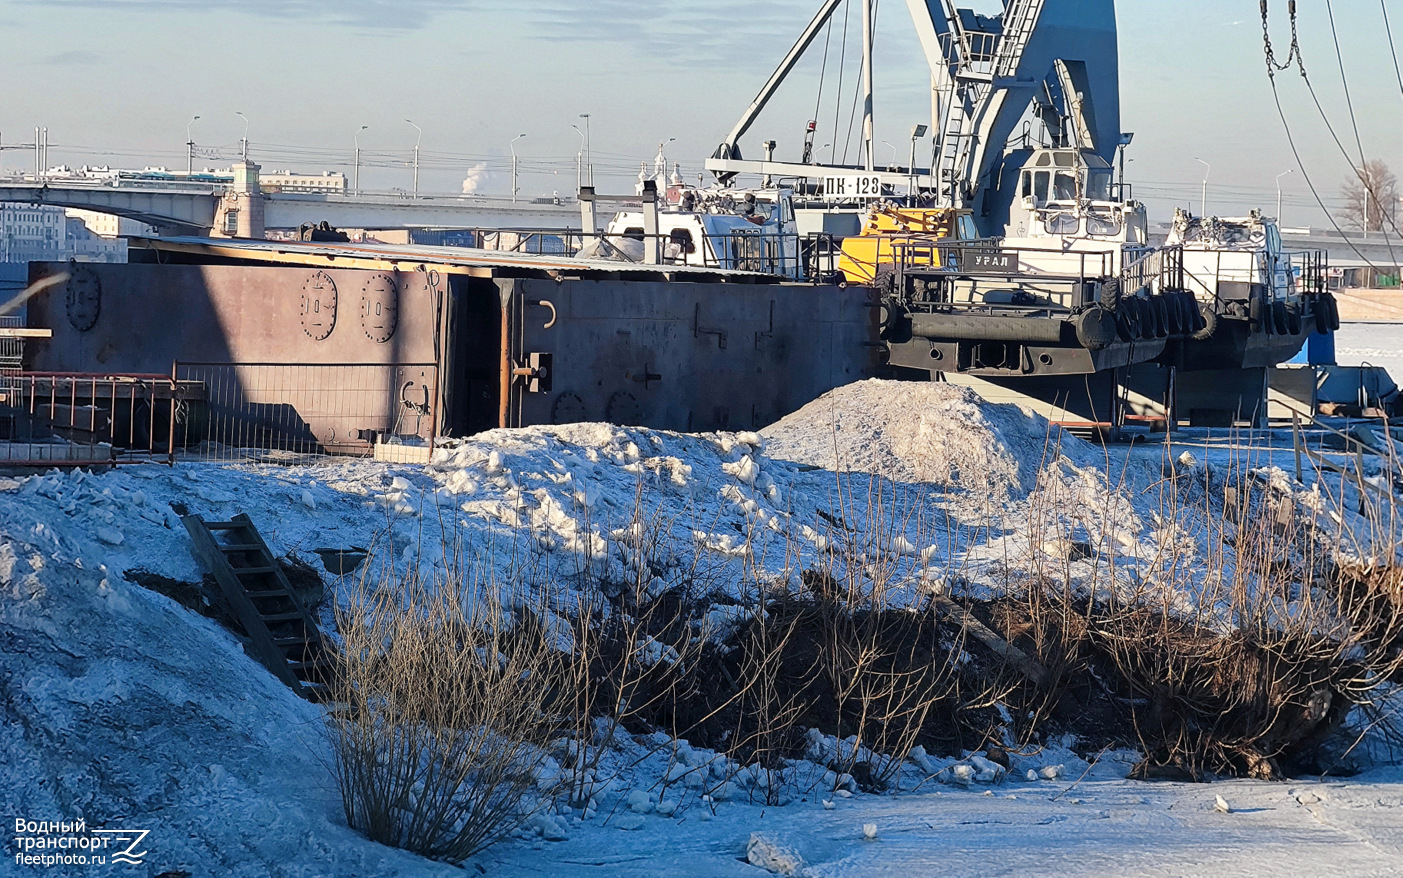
(283, 635)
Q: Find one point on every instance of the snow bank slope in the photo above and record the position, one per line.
(122, 708)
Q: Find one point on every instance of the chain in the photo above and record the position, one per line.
(1294, 55)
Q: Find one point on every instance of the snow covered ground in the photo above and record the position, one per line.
(122, 707)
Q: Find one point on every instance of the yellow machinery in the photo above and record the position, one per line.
(890, 228)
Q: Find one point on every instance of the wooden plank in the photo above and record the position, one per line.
(24, 332)
(986, 635)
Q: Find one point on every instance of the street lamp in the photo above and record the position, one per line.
(355, 174)
(1126, 138)
(245, 140)
(1278, 192)
(589, 164)
(512, 147)
(579, 160)
(190, 148)
(660, 163)
(917, 132)
(416, 157)
(891, 166)
(1203, 205)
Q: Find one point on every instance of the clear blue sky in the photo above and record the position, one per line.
(116, 81)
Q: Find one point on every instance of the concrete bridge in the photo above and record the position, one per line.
(244, 210)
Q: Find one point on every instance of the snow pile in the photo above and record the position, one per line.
(923, 432)
(126, 710)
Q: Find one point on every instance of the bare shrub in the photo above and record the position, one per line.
(441, 710)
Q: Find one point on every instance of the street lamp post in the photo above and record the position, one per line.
(1203, 204)
(416, 157)
(244, 142)
(579, 161)
(190, 149)
(892, 165)
(1278, 192)
(355, 173)
(917, 132)
(512, 147)
(589, 162)
(660, 163)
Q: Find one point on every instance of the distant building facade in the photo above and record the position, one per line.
(106, 225)
(40, 233)
(328, 182)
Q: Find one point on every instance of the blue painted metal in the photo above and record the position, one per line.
(1058, 59)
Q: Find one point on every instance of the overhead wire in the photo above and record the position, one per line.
(1273, 67)
(857, 90)
(842, 69)
(823, 69)
(1363, 171)
(1388, 32)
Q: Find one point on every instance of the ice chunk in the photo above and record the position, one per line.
(549, 827)
(773, 855)
(640, 802)
(745, 470)
(869, 831)
(110, 535)
(308, 500)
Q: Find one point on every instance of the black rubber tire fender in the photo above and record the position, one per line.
(1321, 310)
(1161, 309)
(1195, 312)
(1210, 322)
(1096, 328)
(1334, 311)
(1109, 295)
(1127, 323)
(1179, 318)
(1148, 327)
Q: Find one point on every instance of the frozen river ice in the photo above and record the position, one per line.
(1377, 344)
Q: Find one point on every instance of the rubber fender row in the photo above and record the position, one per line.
(1327, 313)
(1133, 317)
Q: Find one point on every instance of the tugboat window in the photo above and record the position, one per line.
(1098, 186)
(1061, 224)
(682, 239)
(1040, 181)
(1098, 224)
(1064, 187)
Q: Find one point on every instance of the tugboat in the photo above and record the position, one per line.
(1261, 301)
(734, 229)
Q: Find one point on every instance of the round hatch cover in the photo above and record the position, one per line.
(318, 306)
(567, 409)
(83, 298)
(379, 307)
